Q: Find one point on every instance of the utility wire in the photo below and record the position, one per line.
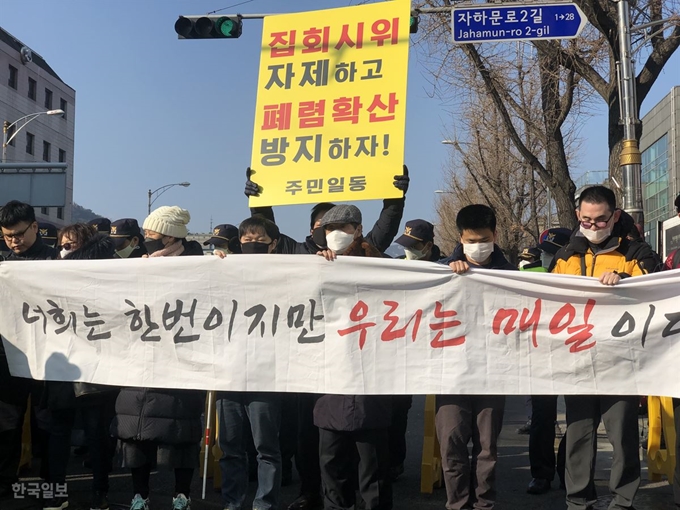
(231, 6)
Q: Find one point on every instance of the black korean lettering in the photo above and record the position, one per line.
(258, 312)
(673, 320)
(92, 323)
(627, 321)
(31, 320)
(213, 320)
(234, 308)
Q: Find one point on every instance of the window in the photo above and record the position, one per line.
(48, 99)
(10, 133)
(30, 139)
(62, 156)
(63, 104)
(60, 213)
(44, 210)
(47, 149)
(32, 87)
(13, 77)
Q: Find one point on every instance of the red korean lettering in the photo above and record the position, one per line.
(440, 313)
(277, 116)
(347, 109)
(282, 44)
(391, 331)
(580, 333)
(346, 39)
(384, 29)
(315, 40)
(311, 113)
(525, 321)
(358, 313)
(378, 104)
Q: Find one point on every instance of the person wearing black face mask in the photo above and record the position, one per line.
(258, 410)
(157, 423)
(127, 237)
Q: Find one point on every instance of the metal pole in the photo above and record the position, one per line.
(207, 443)
(149, 208)
(630, 160)
(5, 128)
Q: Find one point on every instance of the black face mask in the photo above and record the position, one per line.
(251, 248)
(153, 245)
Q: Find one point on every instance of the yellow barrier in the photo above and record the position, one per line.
(26, 450)
(431, 464)
(661, 461)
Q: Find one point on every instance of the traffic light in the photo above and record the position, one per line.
(208, 27)
(415, 19)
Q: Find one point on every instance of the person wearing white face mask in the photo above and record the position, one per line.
(600, 248)
(478, 418)
(418, 241)
(128, 238)
(350, 424)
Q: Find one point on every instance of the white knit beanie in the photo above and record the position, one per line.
(169, 221)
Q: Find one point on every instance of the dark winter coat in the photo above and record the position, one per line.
(165, 416)
(381, 236)
(346, 413)
(498, 260)
(39, 251)
(58, 394)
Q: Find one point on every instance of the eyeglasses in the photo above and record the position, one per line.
(598, 224)
(17, 235)
(66, 246)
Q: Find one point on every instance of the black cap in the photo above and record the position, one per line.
(553, 239)
(416, 231)
(102, 225)
(124, 229)
(530, 254)
(48, 232)
(677, 203)
(225, 235)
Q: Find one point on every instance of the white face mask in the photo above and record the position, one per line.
(546, 259)
(479, 252)
(63, 253)
(412, 254)
(596, 236)
(339, 241)
(126, 252)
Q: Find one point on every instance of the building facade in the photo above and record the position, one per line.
(660, 148)
(29, 85)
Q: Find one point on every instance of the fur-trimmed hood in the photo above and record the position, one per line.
(361, 248)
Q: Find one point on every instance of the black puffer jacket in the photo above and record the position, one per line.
(347, 413)
(165, 416)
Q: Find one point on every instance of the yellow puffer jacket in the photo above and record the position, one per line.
(626, 257)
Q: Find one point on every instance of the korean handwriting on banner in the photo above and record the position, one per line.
(330, 112)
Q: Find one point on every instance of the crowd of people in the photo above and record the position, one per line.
(347, 449)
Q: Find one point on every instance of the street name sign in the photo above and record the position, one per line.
(516, 22)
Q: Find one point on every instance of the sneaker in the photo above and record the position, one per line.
(181, 502)
(524, 429)
(139, 503)
(55, 504)
(99, 501)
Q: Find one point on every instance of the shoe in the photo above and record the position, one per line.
(524, 429)
(396, 472)
(139, 503)
(307, 502)
(181, 502)
(538, 486)
(99, 501)
(55, 504)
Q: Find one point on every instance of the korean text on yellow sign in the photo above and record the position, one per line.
(331, 105)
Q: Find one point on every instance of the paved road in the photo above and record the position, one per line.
(513, 477)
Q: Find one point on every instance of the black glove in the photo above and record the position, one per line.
(401, 182)
(252, 189)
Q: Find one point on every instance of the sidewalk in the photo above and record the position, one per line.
(513, 476)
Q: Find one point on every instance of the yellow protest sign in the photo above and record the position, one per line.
(331, 104)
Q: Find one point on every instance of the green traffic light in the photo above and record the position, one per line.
(225, 26)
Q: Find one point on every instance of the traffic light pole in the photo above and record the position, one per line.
(630, 159)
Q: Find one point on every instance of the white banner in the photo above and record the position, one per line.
(353, 326)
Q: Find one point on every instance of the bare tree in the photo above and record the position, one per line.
(564, 67)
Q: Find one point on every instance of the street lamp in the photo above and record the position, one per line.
(26, 118)
(162, 190)
(444, 192)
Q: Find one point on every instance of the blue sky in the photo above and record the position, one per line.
(153, 110)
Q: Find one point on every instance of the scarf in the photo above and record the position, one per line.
(172, 250)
